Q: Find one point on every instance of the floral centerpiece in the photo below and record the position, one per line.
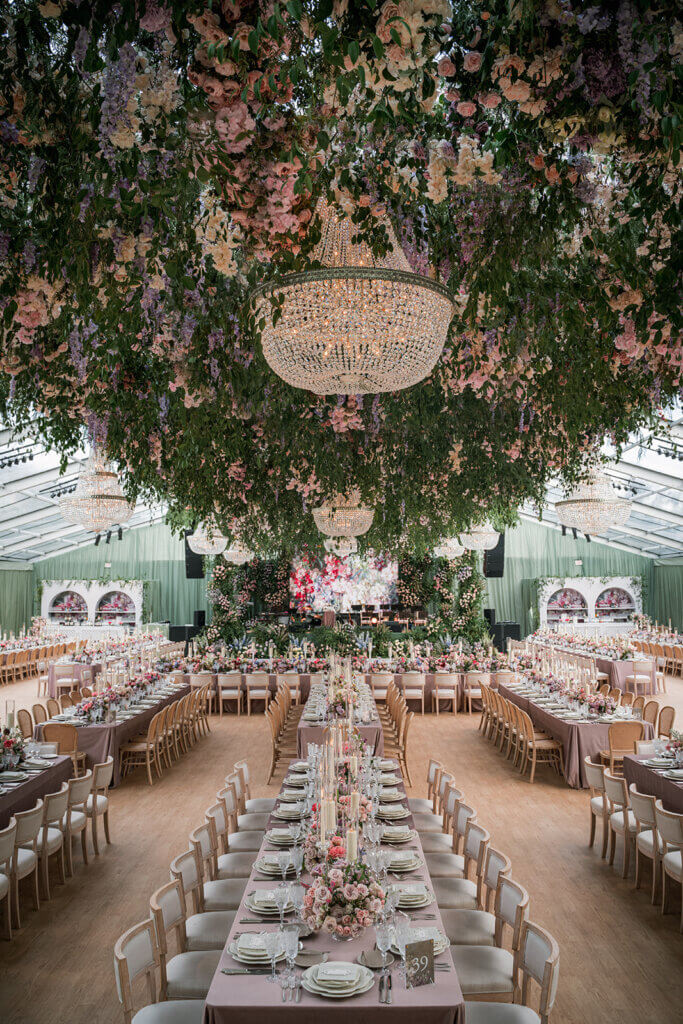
(675, 744)
(364, 807)
(12, 748)
(343, 901)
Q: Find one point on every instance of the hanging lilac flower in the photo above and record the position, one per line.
(81, 47)
(34, 171)
(117, 88)
(214, 369)
(164, 403)
(29, 255)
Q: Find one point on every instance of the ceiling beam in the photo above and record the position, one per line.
(658, 513)
(619, 469)
(533, 518)
(156, 517)
(43, 478)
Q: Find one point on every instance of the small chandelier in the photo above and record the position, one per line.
(357, 325)
(341, 546)
(450, 549)
(344, 517)
(237, 554)
(480, 538)
(593, 506)
(207, 540)
(98, 503)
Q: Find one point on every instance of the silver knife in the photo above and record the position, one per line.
(381, 988)
(389, 997)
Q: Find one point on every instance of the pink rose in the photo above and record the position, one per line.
(466, 108)
(472, 61)
(490, 100)
(446, 67)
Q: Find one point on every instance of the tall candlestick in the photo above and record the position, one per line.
(351, 845)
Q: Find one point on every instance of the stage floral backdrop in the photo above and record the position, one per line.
(158, 160)
(338, 583)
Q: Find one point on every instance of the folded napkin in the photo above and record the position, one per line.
(250, 942)
(264, 898)
(281, 833)
(337, 974)
(396, 832)
(390, 791)
(411, 889)
(402, 857)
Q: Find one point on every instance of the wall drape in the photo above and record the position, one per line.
(149, 553)
(667, 596)
(16, 600)
(533, 550)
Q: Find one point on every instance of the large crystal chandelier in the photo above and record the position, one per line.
(480, 538)
(207, 540)
(237, 554)
(98, 503)
(450, 548)
(593, 506)
(344, 517)
(358, 325)
(341, 546)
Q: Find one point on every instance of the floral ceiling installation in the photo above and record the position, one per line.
(160, 161)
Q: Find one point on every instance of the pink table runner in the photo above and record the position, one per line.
(24, 796)
(251, 999)
(579, 739)
(98, 741)
(648, 780)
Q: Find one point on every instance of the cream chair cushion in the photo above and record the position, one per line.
(179, 1011)
(224, 893)
(209, 931)
(4, 885)
(499, 1013)
(617, 821)
(78, 820)
(235, 865)
(645, 842)
(25, 861)
(455, 893)
(436, 842)
(245, 842)
(428, 822)
(469, 927)
(261, 804)
(55, 838)
(446, 865)
(420, 805)
(190, 974)
(483, 969)
(101, 803)
(597, 805)
(253, 821)
(672, 863)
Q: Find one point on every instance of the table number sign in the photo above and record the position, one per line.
(419, 963)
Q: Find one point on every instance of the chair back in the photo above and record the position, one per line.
(79, 789)
(539, 959)
(463, 815)
(39, 713)
(53, 707)
(7, 843)
(496, 865)
(413, 680)
(645, 748)
(511, 908)
(25, 723)
(56, 805)
(136, 953)
(65, 701)
(167, 906)
(595, 776)
(627, 699)
(229, 680)
(188, 869)
(28, 824)
(243, 768)
(669, 825)
(616, 790)
(623, 736)
(604, 689)
(651, 712)
(63, 734)
(63, 671)
(203, 841)
(643, 807)
(102, 775)
(666, 721)
(218, 814)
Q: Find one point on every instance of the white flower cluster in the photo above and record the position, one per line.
(213, 234)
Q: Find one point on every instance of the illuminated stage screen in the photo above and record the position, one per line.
(316, 584)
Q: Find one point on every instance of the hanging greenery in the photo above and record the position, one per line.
(158, 160)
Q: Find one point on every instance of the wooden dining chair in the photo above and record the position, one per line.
(25, 857)
(51, 838)
(665, 724)
(143, 751)
(7, 843)
(473, 685)
(670, 829)
(229, 688)
(97, 804)
(622, 738)
(648, 843)
(25, 723)
(187, 975)
(66, 738)
(257, 686)
(595, 777)
(622, 820)
(53, 707)
(414, 687)
(445, 689)
(651, 713)
(539, 748)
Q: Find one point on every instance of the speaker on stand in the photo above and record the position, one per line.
(494, 560)
(194, 563)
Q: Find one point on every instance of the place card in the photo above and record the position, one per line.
(419, 963)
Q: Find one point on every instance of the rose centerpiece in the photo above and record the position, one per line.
(12, 748)
(343, 901)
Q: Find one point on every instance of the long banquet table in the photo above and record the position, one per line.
(578, 738)
(648, 780)
(76, 668)
(311, 732)
(98, 740)
(23, 796)
(245, 999)
(615, 668)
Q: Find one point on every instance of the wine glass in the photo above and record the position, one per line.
(273, 943)
(403, 934)
(296, 856)
(282, 898)
(384, 933)
(284, 859)
(290, 936)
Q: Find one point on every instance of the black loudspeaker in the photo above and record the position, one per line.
(504, 631)
(494, 560)
(199, 618)
(194, 564)
(490, 616)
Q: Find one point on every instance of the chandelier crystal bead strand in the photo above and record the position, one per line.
(480, 538)
(237, 554)
(207, 540)
(359, 324)
(593, 506)
(450, 548)
(344, 517)
(98, 503)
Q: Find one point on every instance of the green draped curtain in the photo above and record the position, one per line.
(667, 596)
(533, 550)
(16, 600)
(150, 553)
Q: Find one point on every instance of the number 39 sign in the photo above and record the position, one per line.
(419, 963)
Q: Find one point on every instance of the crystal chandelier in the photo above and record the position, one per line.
(450, 548)
(593, 506)
(480, 538)
(207, 540)
(237, 554)
(359, 324)
(341, 546)
(98, 503)
(344, 517)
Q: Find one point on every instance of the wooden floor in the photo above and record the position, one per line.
(621, 961)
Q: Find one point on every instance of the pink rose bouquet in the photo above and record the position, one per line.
(343, 901)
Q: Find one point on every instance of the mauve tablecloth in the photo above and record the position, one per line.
(76, 671)
(308, 732)
(24, 796)
(647, 780)
(97, 742)
(579, 739)
(244, 999)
